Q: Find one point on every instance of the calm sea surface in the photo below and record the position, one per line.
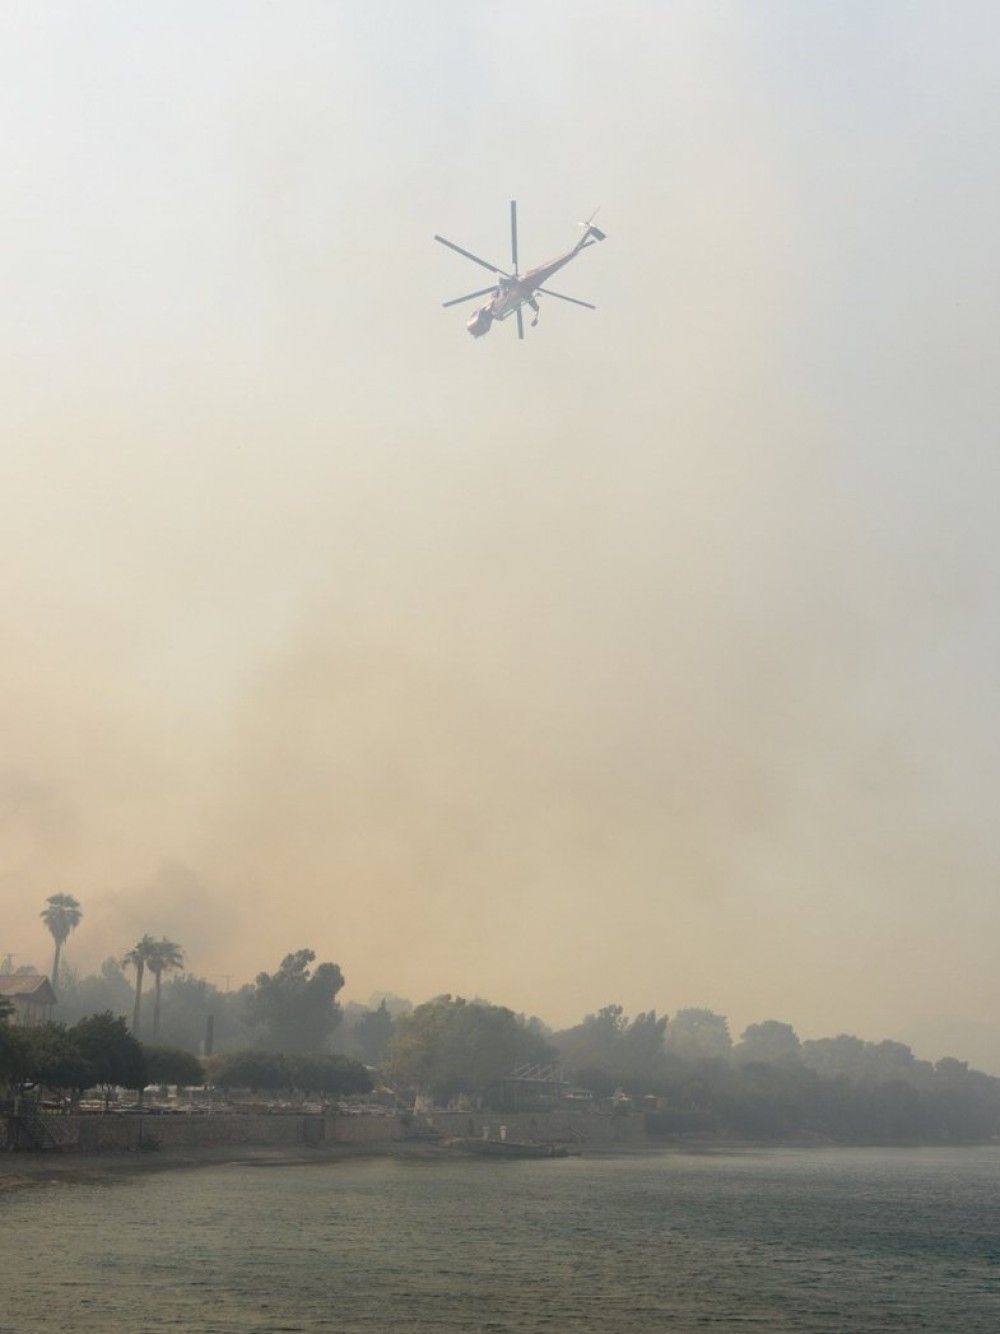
(778, 1240)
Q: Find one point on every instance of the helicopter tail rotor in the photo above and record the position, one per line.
(590, 232)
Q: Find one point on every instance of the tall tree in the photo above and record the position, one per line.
(373, 1033)
(171, 1065)
(607, 1051)
(769, 1042)
(448, 1047)
(61, 915)
(295, 1009)
(698, 1035)
(161, 956)
(138, 958)
(55, 1061)
(114, 1054)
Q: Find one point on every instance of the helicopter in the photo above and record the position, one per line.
(513, 290)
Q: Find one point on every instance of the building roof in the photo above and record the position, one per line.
(35, 986)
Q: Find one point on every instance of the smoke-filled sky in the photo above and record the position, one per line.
(650, 660)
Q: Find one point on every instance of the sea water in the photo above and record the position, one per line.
(818, 1240)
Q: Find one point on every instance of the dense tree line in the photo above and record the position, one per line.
(297, 1073)
(295, 1008)
(99, 1052)
(769, 1085)
(288, 1030)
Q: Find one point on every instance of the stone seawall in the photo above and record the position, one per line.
(130, 1132)
(96, 1133)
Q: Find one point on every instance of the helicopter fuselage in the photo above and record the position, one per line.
(512, 293)
(515, 289)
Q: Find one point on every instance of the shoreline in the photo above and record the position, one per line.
(28, 1168)
(24, 1169)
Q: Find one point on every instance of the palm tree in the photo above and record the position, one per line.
(163, 955)
(137, 958)
(61, 917)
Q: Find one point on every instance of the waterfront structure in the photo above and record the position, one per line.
(533, 1087)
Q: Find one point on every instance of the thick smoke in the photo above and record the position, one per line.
(649, 660)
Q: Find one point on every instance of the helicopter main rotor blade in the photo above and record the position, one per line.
(520, 323)
(559, 296)
(483, 263)
(457, 301)
(513, 235)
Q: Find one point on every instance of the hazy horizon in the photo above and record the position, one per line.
(650, 660)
